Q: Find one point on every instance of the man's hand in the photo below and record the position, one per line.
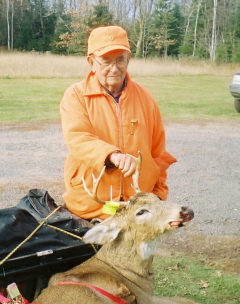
(123, 162)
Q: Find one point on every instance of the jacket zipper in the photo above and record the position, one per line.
(120, 134)
(120, 130)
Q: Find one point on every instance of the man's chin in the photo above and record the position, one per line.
(113, 84)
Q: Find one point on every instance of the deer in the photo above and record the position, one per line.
(121, 270)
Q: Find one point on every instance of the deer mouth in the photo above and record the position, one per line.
(185, 217)
(177, 223)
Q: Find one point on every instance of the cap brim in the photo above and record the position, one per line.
(110, 48)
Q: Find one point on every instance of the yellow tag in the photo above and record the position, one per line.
(110, 207)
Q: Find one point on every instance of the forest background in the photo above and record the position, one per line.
(200, 29)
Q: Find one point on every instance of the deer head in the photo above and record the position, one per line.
(140, 220)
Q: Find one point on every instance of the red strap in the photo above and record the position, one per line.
(100, 290)
(3, 299)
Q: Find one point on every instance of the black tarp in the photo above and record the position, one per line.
(18, 222)
(48, 251)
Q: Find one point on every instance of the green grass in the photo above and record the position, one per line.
(179, 97)
(187, 277)
(192, 97)
(24, 100)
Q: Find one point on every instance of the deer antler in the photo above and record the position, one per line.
(96, 182)
(135, 176)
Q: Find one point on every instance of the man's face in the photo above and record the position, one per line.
(111, 68)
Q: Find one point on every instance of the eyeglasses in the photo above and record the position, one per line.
(121, 63)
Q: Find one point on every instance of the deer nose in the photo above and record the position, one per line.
(187, 214)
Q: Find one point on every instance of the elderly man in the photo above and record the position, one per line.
(106, 117)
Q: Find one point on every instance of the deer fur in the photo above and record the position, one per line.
(123, 265)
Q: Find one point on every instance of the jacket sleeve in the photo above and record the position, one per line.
(162, 158)
(80, 138)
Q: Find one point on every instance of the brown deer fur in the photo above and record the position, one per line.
(123, 265)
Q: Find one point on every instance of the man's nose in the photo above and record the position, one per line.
(114, 67)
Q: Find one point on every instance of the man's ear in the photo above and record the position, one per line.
(90, 61)
(102, 233)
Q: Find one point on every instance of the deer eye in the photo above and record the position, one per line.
(141, 212)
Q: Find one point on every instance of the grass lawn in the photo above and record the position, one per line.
(31, 99)
(179, 97)
(188, 277)
(192, 97)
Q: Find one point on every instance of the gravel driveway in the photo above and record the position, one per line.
(206, 177)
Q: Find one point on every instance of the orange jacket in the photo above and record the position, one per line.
(94, 126)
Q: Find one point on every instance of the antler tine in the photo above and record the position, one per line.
(96, 182)
(124, 204)
(136, 174)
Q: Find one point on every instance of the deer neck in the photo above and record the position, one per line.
(128, 255)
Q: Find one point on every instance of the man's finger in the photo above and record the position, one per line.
(131, 170)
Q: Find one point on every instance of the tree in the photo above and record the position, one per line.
(100, 16)
(196, 26)
(208, 29)
(167, 28)
(213, 45)
(72, 30)
(142, 9)
(10, 14)
(76, 25)
(229, 49)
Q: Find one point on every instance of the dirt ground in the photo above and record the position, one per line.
(206, 178)
(220, 252)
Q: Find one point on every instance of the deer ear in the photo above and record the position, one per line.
(102, 233)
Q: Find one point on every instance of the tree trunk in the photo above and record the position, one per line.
(12, 25)
(196, 24)
(8, 26)
(213, 45)
(41, 18)
(187, 27)
(145, 9)
(139, 42)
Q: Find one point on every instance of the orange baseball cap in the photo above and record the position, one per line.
(106, 39)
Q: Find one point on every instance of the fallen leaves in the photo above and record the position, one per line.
(176, 267)
(203, 284)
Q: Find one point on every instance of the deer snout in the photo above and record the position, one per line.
(186, 214)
